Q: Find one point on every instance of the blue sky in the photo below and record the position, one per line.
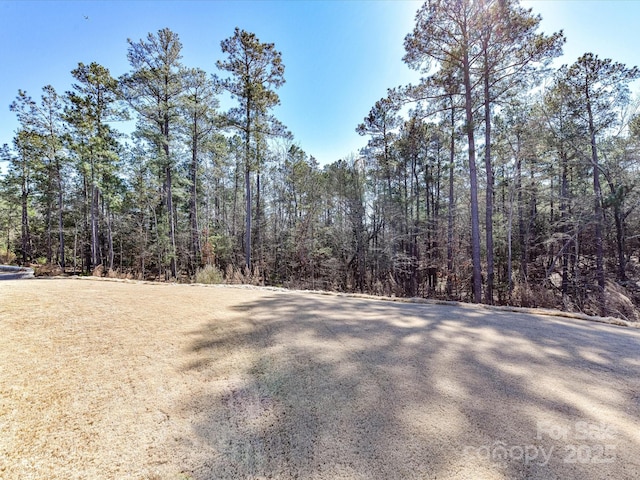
(340, 55)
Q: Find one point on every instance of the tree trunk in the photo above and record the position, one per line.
(234, 212)
(60, 215)
(416, 224)
(510, 245)
(247, 185)
(473, 179)
(599, 217)
(85, 263)
(247, 238)
(564, 199)
(172, 225)
(110, 252)
(622, 275)
(193, 208)
(75, 248)
(450, 224)
(522, 236)
(95, 194)
(169, 191)
(48, 222)
(489, 194)
(26, 236)
(618, 217)
(258, 233)
(95, 247)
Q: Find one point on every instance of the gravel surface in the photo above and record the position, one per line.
(115, 380)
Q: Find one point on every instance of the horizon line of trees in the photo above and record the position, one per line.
(495, 179)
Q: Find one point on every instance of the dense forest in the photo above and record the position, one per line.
(495, 179)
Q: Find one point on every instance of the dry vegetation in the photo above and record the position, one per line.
(91, 380)
(111, 379)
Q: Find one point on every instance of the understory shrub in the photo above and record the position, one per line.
(209, 274)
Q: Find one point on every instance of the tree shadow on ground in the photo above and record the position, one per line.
(313, 387)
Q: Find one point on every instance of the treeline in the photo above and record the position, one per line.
(495, 179)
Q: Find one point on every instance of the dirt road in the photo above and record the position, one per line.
(9, 272)
(106, 380)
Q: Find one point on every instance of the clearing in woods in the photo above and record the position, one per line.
(104, 380)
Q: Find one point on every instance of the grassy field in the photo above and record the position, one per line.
(113, 380)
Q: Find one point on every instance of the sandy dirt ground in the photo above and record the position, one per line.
(112, 380)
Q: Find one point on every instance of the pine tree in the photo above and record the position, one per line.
(153, 89)
(511, 50)
(198, 105)
(448, 36)
(256, 70)
(43, 125)
(597, 87)
(90, 106)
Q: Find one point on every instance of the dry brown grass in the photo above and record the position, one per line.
(107, 379)
(90, 372)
